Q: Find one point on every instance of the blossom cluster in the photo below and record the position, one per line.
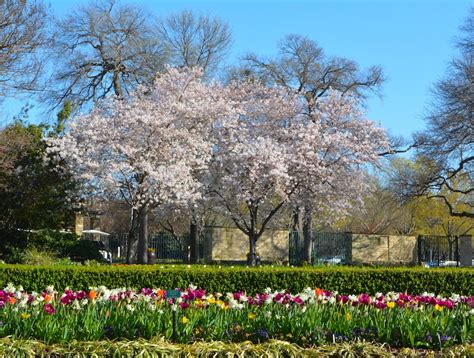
(199, 298)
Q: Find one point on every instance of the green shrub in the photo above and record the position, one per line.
(346, 280)
(84, 250)
(34, 256)
(46, 247)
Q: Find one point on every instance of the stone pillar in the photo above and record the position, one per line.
(78, 224)
(465, 251)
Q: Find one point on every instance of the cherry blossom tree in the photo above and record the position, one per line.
(273, 152)
(146, 149)
(252, 147)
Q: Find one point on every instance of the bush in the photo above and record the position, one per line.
(346, 280)
(27, 247)
(34, 256)
(82, 250)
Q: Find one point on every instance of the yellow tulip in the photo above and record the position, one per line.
(185, 319)
(391, 304)
(252, 315)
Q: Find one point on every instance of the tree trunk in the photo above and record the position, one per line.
(117, 84)
(297, 220)
(131, 239)
(252, 255)
(142, 253)
(194, 240)
(307, 234)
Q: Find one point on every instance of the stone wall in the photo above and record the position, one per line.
(229, 244)
(383, 248)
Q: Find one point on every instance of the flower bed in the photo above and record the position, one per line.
(309, 318)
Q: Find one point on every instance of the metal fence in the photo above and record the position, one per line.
(167, 248)
(438, 250)
(327, 247)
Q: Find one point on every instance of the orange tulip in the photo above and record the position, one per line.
(11, 300)
(92, 295)
(47, 298)
(318, 291)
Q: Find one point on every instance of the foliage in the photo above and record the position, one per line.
(429, 216)
(273, 152)
(159, 347)
(311, 317)
(33, 195)
(43, 247)
(226, 279)
(35, 257)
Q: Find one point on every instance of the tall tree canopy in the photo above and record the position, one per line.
(145, 149)
(302, 67)
(446, 147)
(22, 35)
(33, 194)
(194, 41)
(103, 48)
(106, 49)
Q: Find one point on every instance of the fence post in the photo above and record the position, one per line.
(418, 247)
(465, 251)
(348, 247)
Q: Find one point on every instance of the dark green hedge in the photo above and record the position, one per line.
(224, 279)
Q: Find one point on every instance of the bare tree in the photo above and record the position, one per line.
(447, 145)
(103, 49)
(22, 35)
(195, 41)
(302, 66)
(382, 213)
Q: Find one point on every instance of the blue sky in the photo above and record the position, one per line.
(411, 40)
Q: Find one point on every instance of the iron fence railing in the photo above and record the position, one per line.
(167, 248)
(438, 250)
(327, 248)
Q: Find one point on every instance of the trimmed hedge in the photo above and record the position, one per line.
(346, 280)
